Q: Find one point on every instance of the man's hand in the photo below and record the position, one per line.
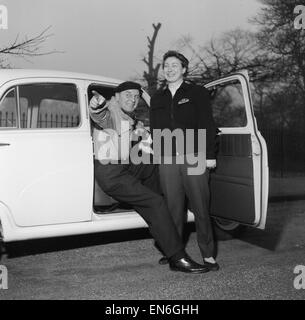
(141, 131)
(96, 100)
(140, 128)
(211, 163)
(140, 125)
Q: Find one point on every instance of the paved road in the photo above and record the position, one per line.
(123, 265)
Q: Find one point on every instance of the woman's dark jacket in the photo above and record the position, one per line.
(190, 108)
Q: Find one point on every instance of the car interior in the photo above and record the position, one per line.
(102, 203)
(232, 182)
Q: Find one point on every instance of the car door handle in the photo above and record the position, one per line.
(4, 144)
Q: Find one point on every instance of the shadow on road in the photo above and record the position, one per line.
(30, 247)
(278, 217)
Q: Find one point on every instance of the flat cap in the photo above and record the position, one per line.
(128, 85)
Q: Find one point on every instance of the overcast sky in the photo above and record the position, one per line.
(108, 37)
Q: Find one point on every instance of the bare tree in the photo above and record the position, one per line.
(236, 50)
(285, 45)
(25, 48)
(151, 76)
(233, 51)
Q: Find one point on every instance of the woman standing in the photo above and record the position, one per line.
(183, 106)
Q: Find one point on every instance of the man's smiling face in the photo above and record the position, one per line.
(129, 99)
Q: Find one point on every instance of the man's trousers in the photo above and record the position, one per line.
(129, 183)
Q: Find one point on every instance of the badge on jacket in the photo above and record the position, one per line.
(184, 100)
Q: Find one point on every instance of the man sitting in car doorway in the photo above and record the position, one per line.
(131, 183)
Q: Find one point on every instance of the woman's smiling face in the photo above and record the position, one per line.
(173, 70)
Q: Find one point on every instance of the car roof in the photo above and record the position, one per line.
(13, 74)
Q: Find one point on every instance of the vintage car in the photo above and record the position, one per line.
(47, 185)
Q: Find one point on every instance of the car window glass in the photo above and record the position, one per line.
(24, 114)
(228, 105)
(49, 105)
(8, 110)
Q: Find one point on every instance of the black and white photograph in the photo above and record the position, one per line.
(152, 151)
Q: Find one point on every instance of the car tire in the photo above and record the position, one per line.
(226, 230)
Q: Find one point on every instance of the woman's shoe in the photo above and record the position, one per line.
(163, 260)
(211, 266)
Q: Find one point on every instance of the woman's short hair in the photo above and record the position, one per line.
(179, 56)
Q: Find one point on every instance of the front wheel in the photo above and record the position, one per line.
(225, 229)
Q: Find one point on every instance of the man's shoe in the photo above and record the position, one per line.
(211, 266)
(186, 264)
(163, 260)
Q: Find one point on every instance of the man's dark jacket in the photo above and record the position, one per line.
(190, 108)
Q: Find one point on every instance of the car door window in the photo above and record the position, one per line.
(49, 105)
(8, 110)
(228, 105)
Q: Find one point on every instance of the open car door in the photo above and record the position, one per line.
(239, 184)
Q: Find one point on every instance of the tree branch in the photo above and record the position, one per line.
(28, 47)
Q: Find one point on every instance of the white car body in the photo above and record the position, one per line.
(47, 174)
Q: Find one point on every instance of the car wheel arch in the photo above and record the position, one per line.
(226, 230)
